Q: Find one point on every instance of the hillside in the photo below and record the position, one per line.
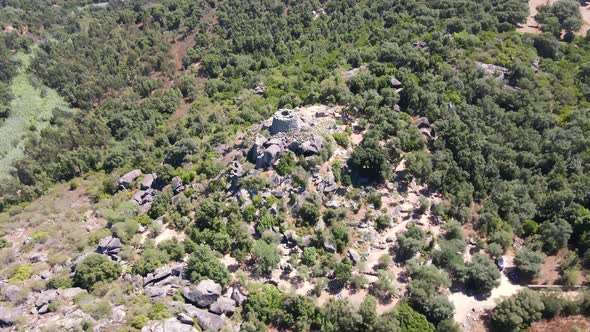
(223, 165)
(31, 110)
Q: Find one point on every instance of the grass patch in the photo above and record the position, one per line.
(31, 110)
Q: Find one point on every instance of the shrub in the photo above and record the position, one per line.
(286, 164)
(309, 256)
(95, 268)
(382, 222)
(21, 272)
(309, 213)
(173, 248)
(138, 321)
(5, 244)
(528, 263)
(341, 139)
(158, 311)
(375, 199)
(59, 282)
(150, 260)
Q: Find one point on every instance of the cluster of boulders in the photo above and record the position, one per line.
(147, 188)
(206, 303)
(208, 306)
(287, 134)
(40, 303)
(110, 246)
(266, 152)
(47, 297)
(164, 281)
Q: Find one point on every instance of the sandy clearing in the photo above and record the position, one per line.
(469, 308)
(532, 26)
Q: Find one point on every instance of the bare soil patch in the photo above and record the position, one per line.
(561, 324)
(532, 26)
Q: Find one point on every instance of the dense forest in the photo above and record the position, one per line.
(509, 152)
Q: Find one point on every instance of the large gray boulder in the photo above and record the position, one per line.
(269, 156)
(160, 274)
(148, 181)
(205, 293)
(238, 297)
(313, 146)
(9, 316)
(354, 255)
(257, 148)
(176, 185)
(223, 305)
(205, 319)
(12, 293)
(167, 325)
(125, 180)
(155, 291)
(109, 245)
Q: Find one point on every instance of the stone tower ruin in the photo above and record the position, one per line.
(283, 121)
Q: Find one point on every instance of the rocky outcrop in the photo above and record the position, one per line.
(176, 185)
(223, 305)
(109, 246)
(125, 181)
(9, 316)
(44, 299)
(148, 181)
(167, 325)
(204, 294)
(238, 297)
(312, 146)
(269, 156)
(205, 319)
(354, 255)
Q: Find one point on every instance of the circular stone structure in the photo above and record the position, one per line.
(283, 121)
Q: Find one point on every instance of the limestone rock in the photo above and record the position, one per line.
(12, 293)
(119, 314)
(329, 247)
(160, 274)
(269, 157)
(70, 293)
(185, 319)
(257, 148)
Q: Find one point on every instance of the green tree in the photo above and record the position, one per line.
(205, 264)
(266, 256)
(528, 263)
(481, 274)
(265, 302)
(518, 311)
